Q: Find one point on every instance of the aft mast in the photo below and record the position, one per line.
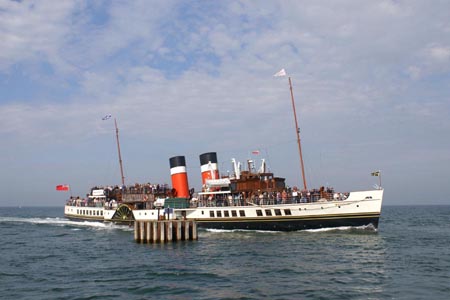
(118, 150)
(297, 131)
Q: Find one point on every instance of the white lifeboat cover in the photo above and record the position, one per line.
(224, 182)
(97, 193)
(159, 202)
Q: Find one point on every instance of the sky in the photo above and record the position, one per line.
(371, 81)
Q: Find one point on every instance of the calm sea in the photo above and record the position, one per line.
(45, 256)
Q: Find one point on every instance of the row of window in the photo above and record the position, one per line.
(259, 213)
(89, 212)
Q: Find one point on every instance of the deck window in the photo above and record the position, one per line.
(219, 214)
(259, 213)
(242, 213)
(268, 212)
(287, 212)
(226, 213)
(277, 212)
(211, 213)
(233, 213)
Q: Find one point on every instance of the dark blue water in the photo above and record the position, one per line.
(44, 256)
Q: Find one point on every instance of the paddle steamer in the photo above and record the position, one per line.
(257, 200)
(249, 199)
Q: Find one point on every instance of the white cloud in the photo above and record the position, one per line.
(167, 71)
(392, 7)
(414, 72)
(32, 30)
(439, 53)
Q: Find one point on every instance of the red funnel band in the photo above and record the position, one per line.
(209, 175)
(180, 184)
(179, 176)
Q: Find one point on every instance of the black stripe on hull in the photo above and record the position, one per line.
(290, 225)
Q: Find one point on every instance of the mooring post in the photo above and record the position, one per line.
(178, 228)
(186, 230)
(136, 231)
(155, 231)
(194, 230)
(169, 231)
(149, 231)
(142, 231)
(161, 227)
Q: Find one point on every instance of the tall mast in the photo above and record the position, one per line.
(297, 131)
(118, 150)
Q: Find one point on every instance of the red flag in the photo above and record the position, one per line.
(62, 187)
(256, 152)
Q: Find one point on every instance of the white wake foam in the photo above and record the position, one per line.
(64, 222)
(342, 228)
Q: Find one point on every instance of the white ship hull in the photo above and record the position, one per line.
(360, 208)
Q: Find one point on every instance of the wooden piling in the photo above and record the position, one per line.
(194, 231)
(142, 231)
(162, 228)
(148, 231)
(154, 233)
(169, 228)
(164, 231)
(178, 230)
(186, 230)
(136, 231)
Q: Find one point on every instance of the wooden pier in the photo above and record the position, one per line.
(164, 231)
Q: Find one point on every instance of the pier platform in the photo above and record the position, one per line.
(164, 231)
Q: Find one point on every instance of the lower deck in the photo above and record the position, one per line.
(88, 213)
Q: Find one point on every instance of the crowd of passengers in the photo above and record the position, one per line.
(87, 201)
(111, 194)
(287, 196)
(141, 188)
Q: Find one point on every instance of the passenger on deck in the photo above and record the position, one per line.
(295, 195)
(284, 196)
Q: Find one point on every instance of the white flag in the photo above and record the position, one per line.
(282, 72)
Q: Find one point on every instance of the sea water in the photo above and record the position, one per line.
(45, 256)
